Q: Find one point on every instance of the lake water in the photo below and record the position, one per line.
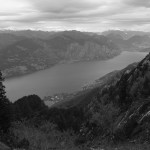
(67, 77)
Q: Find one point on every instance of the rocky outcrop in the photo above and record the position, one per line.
(134, 121)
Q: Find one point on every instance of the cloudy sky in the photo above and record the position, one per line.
(84, 15)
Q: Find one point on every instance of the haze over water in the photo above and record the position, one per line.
(68, 77)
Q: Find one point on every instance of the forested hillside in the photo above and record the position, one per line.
(109, 113)
(25, 52)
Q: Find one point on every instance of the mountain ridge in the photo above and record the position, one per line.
(126, 101)
(34, 54)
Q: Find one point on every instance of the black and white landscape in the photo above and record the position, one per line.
(75, 75)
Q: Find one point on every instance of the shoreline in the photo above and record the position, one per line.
(59, 63)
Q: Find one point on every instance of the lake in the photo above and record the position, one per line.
(68, 77)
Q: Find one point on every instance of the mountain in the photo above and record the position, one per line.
(31, 54)
(23, 57)
(126, 34)
(29, 33)
(7, 39)
(117, 109)
(23, 52)
(129, 40)
(135, 43)
(113, 113)
(145, 50)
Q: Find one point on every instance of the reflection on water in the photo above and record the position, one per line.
(67, 77)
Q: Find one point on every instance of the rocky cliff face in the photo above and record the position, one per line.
(89, 51)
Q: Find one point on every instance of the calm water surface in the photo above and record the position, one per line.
(67, 77)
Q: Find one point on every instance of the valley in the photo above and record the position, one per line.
(21, 55)
(67, 78)
(25, 52)
(75, 75)
(75, 90)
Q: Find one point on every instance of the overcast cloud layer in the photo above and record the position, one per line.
(84, 15)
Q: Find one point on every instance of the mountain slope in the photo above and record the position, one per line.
(7, 39)
(23, 57)
(135, 43)
(117, 110)
(145, 50)
(34, 54)
(29, 33)
(126, 34)
(129, 40)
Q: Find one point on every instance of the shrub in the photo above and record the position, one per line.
(43, 138)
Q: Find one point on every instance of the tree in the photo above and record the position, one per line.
(4, 107)
(28, 107)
